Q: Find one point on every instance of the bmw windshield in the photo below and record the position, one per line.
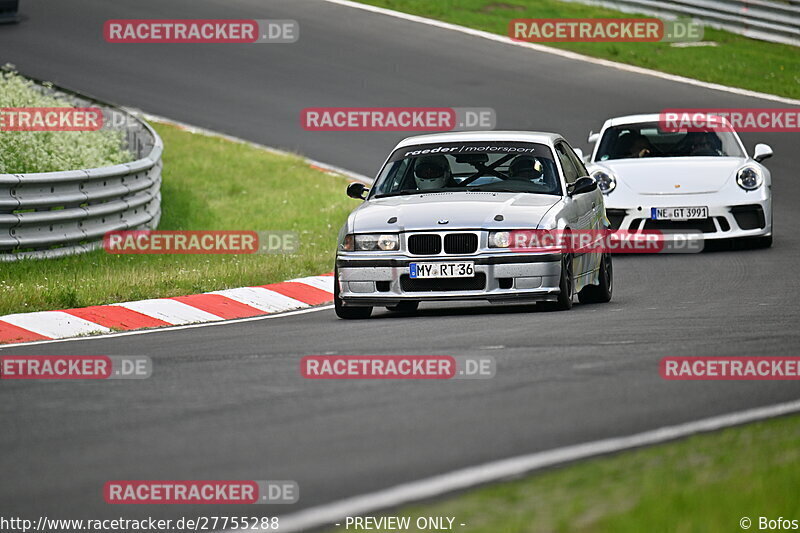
(477, 166)
(644, 140)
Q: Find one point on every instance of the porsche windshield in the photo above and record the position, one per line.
(495, 167)
(631, 141)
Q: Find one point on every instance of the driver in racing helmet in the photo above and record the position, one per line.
(525, 167)
(432, 172)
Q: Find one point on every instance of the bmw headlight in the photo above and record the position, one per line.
(605, 181)
(499, 239)
(347, 244)
(749, 178)
(370, 242)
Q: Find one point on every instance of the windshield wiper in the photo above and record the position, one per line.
(486, 189)
(451, 189)
(406, 193)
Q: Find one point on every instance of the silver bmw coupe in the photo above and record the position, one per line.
(439, 222)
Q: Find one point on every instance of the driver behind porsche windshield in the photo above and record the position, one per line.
(499, 167)
(630, 141)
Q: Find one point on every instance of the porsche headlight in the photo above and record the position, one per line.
(749, 178)
(370, 242)
(499, 239)
(605, 181)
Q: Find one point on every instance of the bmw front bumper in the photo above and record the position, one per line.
(367, 280)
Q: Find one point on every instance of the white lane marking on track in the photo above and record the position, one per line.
(171, 311)
(54, 324)
(263, 299)
(169, 328)
(564, 53)
(465, 478)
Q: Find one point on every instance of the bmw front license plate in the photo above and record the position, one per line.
(441, 270)
(678, 213)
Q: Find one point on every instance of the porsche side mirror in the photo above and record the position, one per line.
(581, 185)
(762, 152)
(593, 137)
(357, 190)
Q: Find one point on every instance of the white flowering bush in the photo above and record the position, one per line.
(49, 151)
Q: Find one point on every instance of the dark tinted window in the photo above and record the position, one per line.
(570, 171)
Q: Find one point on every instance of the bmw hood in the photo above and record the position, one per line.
(674, 175)
(452, 210)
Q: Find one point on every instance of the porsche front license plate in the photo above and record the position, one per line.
(678, 213)
(441, 270)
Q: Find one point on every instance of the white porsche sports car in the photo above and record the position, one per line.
(693, 181)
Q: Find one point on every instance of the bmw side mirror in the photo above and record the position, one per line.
(762, 152)
(581, 185)
(357, 190)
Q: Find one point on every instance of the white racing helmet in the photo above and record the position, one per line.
(525, 167)
(431, 172)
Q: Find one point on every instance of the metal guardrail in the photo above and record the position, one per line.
(760, 19)
(53, 214)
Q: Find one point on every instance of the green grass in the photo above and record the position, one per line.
(48, 151)
(737, 61)
(208, 184)
(702, 484)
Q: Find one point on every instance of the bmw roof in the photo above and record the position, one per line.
(479, 136)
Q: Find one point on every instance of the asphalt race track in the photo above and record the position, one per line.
(227, 401)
